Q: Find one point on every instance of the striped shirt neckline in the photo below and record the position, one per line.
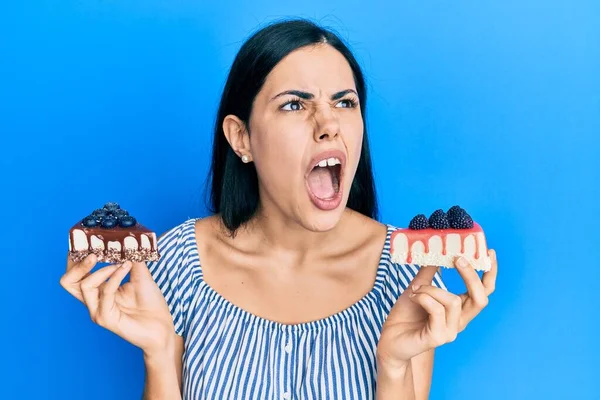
(250, 318)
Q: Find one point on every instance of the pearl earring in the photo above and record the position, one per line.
(245, 158)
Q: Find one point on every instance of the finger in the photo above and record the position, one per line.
(424, 275)
(475, 299)
(109, 289)
(89, 287)
(452, 304)
(139, 272)
(75, 273)
(435, 334)
(71, 263)
(489, 277)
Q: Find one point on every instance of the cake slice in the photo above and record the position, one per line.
(439, 239)
(113, 235)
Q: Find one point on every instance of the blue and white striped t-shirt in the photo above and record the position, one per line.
(232, 354)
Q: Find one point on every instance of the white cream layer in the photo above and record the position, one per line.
(80, 242)
(435, 257)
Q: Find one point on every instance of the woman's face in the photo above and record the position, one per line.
(306, 132)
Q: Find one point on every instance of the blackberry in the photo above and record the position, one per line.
(419, 222)
(462, 221)
(454, 211)
(439, 220)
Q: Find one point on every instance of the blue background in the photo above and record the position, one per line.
(493, 106)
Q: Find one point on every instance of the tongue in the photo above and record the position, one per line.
(320, 182)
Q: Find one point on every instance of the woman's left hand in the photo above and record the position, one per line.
(425, 316)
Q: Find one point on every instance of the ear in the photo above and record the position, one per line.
(237, 136)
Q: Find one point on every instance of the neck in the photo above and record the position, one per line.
(286, 235)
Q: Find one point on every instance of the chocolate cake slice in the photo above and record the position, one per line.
(113, 235)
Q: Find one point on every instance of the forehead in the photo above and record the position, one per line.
(313, 68)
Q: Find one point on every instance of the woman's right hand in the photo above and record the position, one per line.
(136, 310)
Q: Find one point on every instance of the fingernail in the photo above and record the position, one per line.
(462, 262)
(416, 287)
(126, 265)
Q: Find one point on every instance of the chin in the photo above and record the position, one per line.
(316, 220)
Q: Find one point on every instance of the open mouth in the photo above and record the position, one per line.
(324, 179)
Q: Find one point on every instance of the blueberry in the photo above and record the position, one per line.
(120, 213)
(439, 220)
(100, 213)
(111, 206)
(419, 222)
(109, 222)
(89, 221)
(127, 221)
(462, 221)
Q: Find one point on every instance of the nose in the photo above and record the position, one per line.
(327, 124)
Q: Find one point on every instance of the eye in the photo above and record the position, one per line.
(293, 105)
(346, 103)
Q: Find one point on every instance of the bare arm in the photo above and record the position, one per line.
(411, 381)
(422, 371)
(163, 373)
(395, 383)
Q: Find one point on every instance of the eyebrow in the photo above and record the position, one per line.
(310, 96)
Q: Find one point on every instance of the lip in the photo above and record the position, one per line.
(333, 203)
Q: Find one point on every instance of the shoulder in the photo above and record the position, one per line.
(178, 231)
(185, 241)
(174, 246)
(178, 262)
(176, 271)
(364, 226)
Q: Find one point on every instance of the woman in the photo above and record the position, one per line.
(287, 291)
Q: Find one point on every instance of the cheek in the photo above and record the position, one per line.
(353, 137)
(278, 145)
(278, 154)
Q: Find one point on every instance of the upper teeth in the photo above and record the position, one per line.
(329, 162)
